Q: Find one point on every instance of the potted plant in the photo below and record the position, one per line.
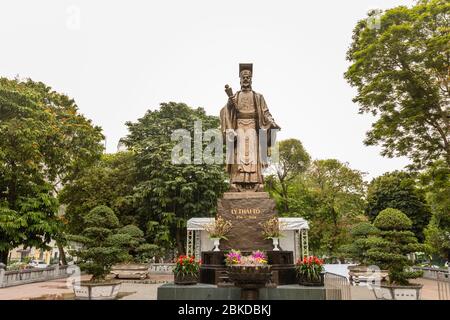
(364, 235)
(99, 250)
(310, 271)
(131, 238)
(391, 253)
(272, 230)
(218, 230)
(186, 271)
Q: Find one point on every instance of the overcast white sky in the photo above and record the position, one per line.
(119, 58)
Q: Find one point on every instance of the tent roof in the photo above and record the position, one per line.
(287, 223)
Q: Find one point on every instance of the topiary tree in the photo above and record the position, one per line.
(397, 242)
(131, 239)
(101, 248)
(363, 236)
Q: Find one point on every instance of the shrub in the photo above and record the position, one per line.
(363, 236)
(397, 241)
(100, 248)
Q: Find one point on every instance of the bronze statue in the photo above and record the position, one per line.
(246, 124)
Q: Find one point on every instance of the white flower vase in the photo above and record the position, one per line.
(275, 244)
(216, 244)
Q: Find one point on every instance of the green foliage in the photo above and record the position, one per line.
(45, 143)
(339, 192)
(167, 194)
(109, 182)
(397, 242)
(101, 216)
(436, 182)
(401, 73)
(364, 235)
(392, 219)
(399, 190)
(293, 161)
(363, 229)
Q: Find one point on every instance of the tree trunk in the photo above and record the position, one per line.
(62, 254)
(179, 240)
(285, 197)
(4, 256)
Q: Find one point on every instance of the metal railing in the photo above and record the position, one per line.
(430, 273)
(337, 287)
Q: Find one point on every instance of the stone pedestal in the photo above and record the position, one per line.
(246, 210)
(282, 266)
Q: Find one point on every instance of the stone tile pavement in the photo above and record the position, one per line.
(136, 290)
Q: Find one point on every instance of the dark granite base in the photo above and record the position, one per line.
(202, 291)
(282, 263)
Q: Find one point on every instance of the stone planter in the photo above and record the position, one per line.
(250, 279)
(304, 281)
(130, 271)
(86, 290)
(362, 273)
(185, 279)
(393, 292)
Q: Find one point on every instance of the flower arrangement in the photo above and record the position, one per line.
(187, 265)
(219, 228)
(309, 269)
(272, 228)
(234, 257)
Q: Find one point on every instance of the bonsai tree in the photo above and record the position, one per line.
(100, 248)
(363, 236)
(397, 241)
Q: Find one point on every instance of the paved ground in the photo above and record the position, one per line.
(61, 289)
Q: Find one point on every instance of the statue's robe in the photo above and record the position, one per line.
(263, 124)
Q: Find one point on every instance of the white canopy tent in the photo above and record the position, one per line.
(294, 236)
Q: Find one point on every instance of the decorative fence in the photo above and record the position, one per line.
(431, 273)
(337, 287)
(161, 268)
(15, 278)
(443, 282)
(442, 277)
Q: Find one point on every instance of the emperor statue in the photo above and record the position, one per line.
(247, 126)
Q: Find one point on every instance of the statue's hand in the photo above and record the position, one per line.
(231, 134)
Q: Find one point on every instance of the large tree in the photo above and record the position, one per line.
(339, 193)
(45, 144)
(399, 190)
(436, 182)
(293, 160)
(400, 67)
(109, 182)
(168, 194)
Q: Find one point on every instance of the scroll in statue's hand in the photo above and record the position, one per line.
(275, 126)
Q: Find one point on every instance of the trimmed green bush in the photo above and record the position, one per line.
(100, 249)
(392, 219)
(397, 241)
(364, 234)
